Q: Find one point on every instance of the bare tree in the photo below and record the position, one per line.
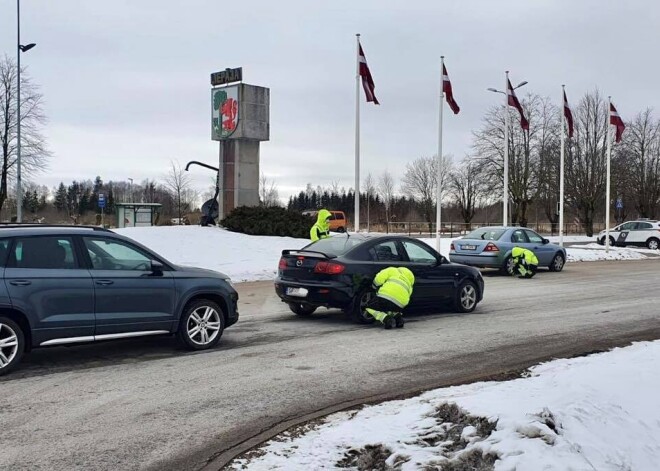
(177, 183)
(468, 186)
(269, 195)
(640, 159)
(34, 154)
(585, 159)
(525, 149)
(420, 182)
(386, 191)
(369, 186)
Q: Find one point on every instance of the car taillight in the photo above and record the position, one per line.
(451, 247)
(282, 265)
(329, 268)
(490, 247)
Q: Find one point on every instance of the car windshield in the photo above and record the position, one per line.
(334, 246)
(485, 234)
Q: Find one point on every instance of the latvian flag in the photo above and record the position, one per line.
(446, 88)
(513, 101)
(616, 120)
(367, 79)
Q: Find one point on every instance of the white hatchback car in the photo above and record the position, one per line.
(642, 232)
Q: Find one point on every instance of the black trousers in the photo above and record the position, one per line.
(383, 305)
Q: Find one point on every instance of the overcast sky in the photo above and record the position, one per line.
(126, 82)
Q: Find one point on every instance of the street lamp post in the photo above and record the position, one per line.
(19, 48)
(505, 191)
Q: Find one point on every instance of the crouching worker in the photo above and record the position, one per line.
(524, 262)
(395, 286)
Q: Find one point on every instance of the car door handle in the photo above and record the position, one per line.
(20, 283)
(104, 282)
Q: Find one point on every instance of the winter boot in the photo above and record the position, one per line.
(399, 321)
(389, 322)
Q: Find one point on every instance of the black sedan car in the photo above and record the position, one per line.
(338, 272)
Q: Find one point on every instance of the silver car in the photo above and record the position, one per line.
(490, 247)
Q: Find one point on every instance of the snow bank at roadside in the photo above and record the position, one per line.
(254, 258)
(591, 413)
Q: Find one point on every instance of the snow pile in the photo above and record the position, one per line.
(593, 252)
(591, 413)
(241, 257)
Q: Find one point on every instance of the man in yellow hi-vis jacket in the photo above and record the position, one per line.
(321, 229)
(395, 286)
(524, 262)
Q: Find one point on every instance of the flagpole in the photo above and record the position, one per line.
(438, 191)
(505, 211)
(607, 185)
(561, 169)
(357, 135)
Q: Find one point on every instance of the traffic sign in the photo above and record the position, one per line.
(619, 203)
(101, 200)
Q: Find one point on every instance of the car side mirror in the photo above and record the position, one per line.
(157, 268)
(546, 241)
(440, 260)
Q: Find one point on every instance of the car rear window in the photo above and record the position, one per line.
(485, 234)
(334, 246)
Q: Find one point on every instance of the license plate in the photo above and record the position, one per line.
(298, 292)
(469, 247)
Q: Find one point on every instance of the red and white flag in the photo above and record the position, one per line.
(446, 88)
(568, 114)
(616, 120)
(513, 101)
(367, 79)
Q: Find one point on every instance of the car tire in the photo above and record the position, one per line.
(357, 312)
(201, 325)
(466, 297)
(653, 243)
(557, 263)
(507, 266)
(301, 309)
(12, 345)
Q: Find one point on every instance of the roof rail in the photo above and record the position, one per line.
(14, 225)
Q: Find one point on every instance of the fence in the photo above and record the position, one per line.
(456, 229)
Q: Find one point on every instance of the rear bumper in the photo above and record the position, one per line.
(480, 261)
(327, 294)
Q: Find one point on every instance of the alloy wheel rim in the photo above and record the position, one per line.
(559, 263)
(203, 325)
(653, 245)
(8, 345)
(468, 296)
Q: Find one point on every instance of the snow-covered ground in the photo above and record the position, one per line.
(253, 258)
(599, 412)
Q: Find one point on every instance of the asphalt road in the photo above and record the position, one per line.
(142, 404)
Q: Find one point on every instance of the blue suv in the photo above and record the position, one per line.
(72, 284)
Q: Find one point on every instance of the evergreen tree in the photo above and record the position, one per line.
(61, 198)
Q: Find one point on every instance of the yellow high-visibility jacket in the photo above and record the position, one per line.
(528, 255)
(321, 229)
(395, 284)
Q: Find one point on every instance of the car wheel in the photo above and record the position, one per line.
(507, 266)
(653, 243)
(201, 325)
(360, 302)
(301, 309)
(557, 263)
(12, 345)
(466, 297)
(601, 241)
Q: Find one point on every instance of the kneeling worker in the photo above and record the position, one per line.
(395, 286)
(525, 262)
